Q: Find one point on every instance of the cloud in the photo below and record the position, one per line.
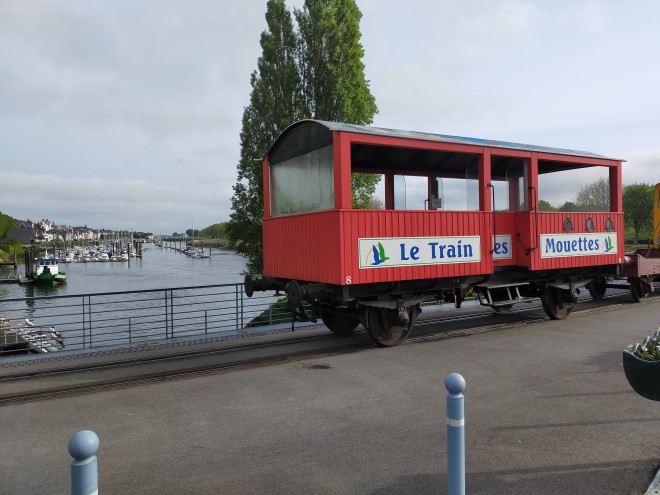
(642, 167)
(143, 100)
(107, 203)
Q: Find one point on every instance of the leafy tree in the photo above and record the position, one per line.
(215, 231)
(375, 203)
(330, 62)
(315, 72)
(546, 206)
(275, 102)
(332, 73)
(569, 206)
(638, 207)
(594, 196)
(6, 224)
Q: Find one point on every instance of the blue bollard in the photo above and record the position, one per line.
(455, 385)
(84, 469)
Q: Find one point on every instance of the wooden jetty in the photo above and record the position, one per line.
(14, 265)
(16, 278)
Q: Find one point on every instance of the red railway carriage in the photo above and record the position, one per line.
(475, 226)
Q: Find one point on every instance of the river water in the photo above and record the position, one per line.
(159, 268)
(170, 306)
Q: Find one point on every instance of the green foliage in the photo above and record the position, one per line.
(278, 312)
(569, 206)
(314, 72)
(546, 206)
(9, 248)
(215, 231)
(638, 208)
(649, 350)
(6, 224)
(594, 196)
(275, 102)
(364, 186)
(332, 73)
(330, 62)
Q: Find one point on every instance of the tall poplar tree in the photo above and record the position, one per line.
(332, 73)
(275, 103)
(316, 72)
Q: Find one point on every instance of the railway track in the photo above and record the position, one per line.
(67, 381)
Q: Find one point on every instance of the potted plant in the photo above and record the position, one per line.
(641, 364)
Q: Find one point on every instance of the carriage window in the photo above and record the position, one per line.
(510, 183)
(458, 194)
(303, 183)
(578, 189)
(435, 193)
(410, 192)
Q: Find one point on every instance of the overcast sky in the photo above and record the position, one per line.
(126, 114)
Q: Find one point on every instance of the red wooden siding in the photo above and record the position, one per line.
(323, 246)
(505, 224)
(553, 223)
(303, 247)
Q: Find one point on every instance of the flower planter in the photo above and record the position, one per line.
(643, 376)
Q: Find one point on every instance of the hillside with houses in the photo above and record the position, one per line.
(45, 230)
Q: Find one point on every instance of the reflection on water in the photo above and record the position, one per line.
(33, 290)
(159, 268)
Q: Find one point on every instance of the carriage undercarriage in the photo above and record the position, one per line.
(388, 310)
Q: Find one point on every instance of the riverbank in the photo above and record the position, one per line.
(12, 253)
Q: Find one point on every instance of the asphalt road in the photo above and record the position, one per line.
(548, 411)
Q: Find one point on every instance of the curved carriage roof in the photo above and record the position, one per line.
(311, 134)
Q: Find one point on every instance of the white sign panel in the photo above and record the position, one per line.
(561, 245)
(414, 251)
(502, 248)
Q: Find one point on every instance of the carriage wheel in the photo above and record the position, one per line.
(597, 288)
(503, 309)
(340, 323)
(387, 328)
(553, 305)
(637, 290)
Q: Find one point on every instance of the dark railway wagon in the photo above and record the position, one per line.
(376, 266)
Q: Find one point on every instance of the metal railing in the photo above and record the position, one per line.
(49, 323)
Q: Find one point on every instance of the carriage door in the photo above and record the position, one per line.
(511, 210)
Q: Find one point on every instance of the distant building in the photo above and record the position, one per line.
(24, 235)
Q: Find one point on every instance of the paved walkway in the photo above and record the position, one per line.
(548, 411)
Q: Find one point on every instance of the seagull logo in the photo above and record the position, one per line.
(608, 244)
(379, 254)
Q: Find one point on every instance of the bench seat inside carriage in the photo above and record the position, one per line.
(458, 216)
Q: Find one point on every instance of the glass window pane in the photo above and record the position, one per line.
(303, 183)
(583, 189)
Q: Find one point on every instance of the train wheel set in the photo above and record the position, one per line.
(476, 227)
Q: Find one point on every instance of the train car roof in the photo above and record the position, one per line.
(310, 134)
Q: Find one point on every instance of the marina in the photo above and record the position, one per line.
(154, 269)
(160, 295)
